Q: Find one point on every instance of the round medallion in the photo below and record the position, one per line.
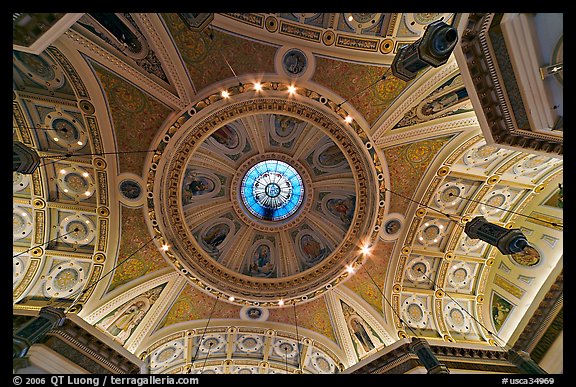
(130, 189)
(294, 62)
(19, 181)
(21, 223)
(528, 257)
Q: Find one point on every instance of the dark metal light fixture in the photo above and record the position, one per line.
(24, 159)
(35, 330)
(421, 348)
(508, 241)
(433, 49)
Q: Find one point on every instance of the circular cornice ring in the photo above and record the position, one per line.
(193, 126)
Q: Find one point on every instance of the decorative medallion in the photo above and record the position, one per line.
(294, 62)
(130, 189)
(528, 257)
(21, 223)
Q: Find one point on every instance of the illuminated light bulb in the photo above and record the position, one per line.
(348, 119)
(63, 171)
(291, 89)
(281, 302)
(225, 94)
(426, 224)
(79, 143)
(349, 269)
(366, 249)
(85, 174)
(24, 214)
(435, 241)
(421, 238)
(258, 86)
(440, 226)
(231, 298)
(165, 247)
(87, 193)
(65, 189)
(87, 222)
(56, 139)
(350, 18)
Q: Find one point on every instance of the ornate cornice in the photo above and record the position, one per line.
(400, 359)
(85, 345)
(491, 92)
(543, 316)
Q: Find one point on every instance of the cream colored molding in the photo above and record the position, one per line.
(340, 328)
(266, 34)
(196, 215)
(86, 208)
(271, 330)
(29, 279)
(422, 86)
(212, 161)
(441, 127)
(333, 234)
(233, 258)
(52, 34)
(335, 182)
(27, 96)
(162, 305)
(51, 362)
(104, 57)
(553, 360)
(523, 49)
(120, 296)
(449, 149)
(102, 123)
(368, 313)
(169, 55)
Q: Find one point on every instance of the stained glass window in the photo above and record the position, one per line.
(272, 190)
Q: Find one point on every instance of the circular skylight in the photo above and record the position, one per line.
(272, 190)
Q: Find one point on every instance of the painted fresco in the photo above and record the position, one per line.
(261, 262)
(213, 238)
(195, 185)
(362, 334)
(226, 136)
(501, 309)
(313, 251)
(342, 208)
(121, 322)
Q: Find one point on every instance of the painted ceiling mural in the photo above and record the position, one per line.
(261, 230)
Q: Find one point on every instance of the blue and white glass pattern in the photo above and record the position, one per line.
(272, 190)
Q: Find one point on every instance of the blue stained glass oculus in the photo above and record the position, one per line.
(272, 190)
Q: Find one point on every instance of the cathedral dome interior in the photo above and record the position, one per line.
(267, 193)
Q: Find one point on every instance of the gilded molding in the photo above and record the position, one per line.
(33, 266)
(102, 55)
(398, 111)
(73, 76)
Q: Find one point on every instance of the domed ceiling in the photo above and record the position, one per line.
(273, 205)
(243, 193)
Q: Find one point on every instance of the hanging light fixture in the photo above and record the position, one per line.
(34, 330)
(433, 49)
(24, 158)
(508, 241)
